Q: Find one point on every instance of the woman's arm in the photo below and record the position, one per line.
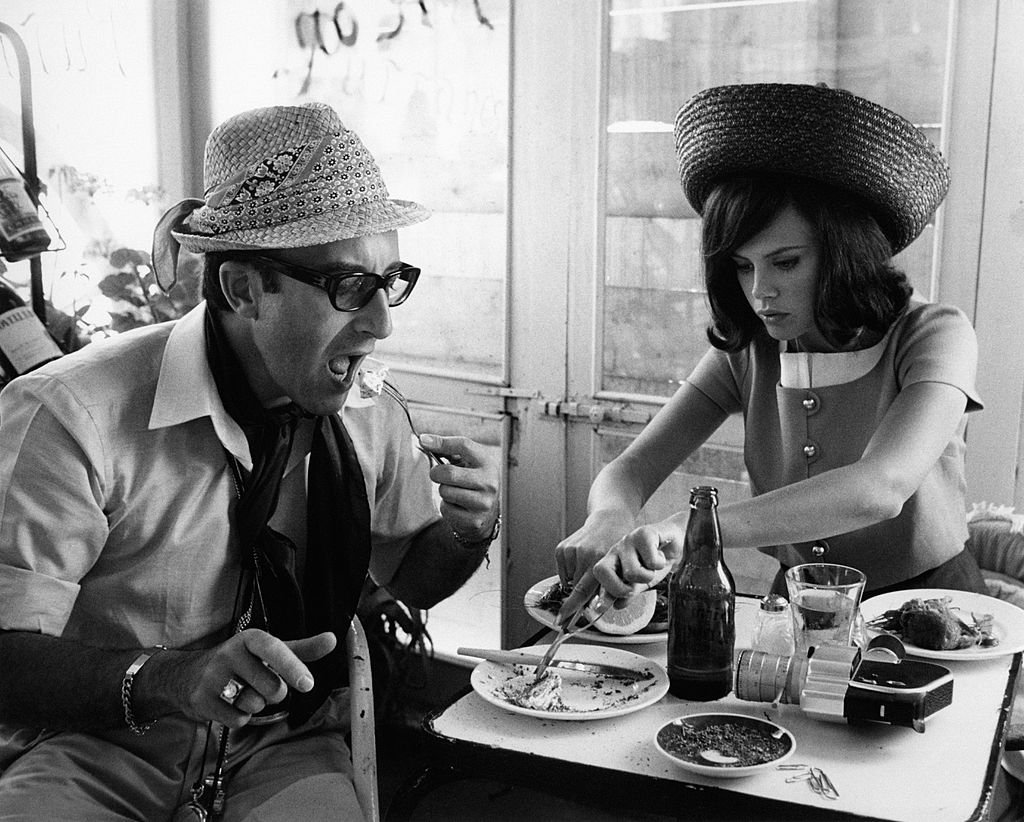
(910, 439)
(624, 485)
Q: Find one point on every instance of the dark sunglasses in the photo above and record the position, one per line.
(351, 290)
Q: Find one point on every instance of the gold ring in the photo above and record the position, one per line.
(231, 691)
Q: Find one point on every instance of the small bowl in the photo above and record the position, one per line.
(758, 729)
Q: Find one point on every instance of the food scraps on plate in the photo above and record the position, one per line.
(936, 625)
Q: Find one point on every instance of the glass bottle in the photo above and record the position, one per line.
(25, 343)
(21, 231)
(773, 630)
(702, 608)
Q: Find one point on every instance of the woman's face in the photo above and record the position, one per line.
(778, 272)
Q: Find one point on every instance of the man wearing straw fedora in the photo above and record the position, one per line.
(853, 390)
(188, 512)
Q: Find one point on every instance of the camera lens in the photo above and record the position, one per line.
(763, 677)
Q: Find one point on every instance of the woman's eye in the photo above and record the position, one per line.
(743, 268)
(787, 263)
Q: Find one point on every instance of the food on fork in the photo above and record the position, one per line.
(934, 625)
(371, 381)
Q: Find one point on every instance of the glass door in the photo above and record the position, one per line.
(650, 314)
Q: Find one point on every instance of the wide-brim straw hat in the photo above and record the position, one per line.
(813, 131)
(283, 177)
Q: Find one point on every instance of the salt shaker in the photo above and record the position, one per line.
(773, 630)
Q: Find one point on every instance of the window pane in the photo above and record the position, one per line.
(427, 91)
(93, 91)
(661, 53)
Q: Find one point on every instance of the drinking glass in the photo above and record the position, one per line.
(825, 601)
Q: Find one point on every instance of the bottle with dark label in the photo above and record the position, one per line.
(21, 231)
(24, 341)
(702, 608)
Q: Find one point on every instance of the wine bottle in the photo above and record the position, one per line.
(21, 231)
(701, 608)
(24, 341)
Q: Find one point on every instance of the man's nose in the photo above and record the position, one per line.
(374, 318)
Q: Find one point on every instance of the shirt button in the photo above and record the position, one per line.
(810, 403)
(810, 450)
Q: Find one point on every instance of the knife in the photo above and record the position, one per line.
(517, 658)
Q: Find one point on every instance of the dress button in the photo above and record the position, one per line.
(810, 451)
(810, 404)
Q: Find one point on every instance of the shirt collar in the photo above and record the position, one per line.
(186, 391)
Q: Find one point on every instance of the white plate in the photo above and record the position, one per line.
(709, 720)
(546, 618)
(1007, 620)
(587, 696)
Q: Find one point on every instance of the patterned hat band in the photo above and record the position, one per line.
(282, 177)
(300, 181)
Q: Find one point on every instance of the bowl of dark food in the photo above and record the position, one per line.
(723, 744)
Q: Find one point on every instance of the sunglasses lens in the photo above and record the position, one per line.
(352, 293)
(400, 285)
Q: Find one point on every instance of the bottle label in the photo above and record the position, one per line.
(24, 339)
(18, 216)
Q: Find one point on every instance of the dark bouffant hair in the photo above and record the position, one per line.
(858, 287)
(213, 260)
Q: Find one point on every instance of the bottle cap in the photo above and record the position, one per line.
(774, 603)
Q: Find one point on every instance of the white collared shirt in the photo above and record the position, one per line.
(115, 493)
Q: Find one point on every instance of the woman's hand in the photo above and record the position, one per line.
(639, 560)
(576, 554)
(644, 557)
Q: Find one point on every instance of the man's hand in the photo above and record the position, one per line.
(264, 666)
(468, 485)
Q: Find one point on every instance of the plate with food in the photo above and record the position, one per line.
(645, 619)
(564, 693)
(934, 623)
(724, 744)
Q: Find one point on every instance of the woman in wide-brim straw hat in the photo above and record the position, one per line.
(853, 391)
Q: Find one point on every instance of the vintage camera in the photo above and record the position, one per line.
(840, 683)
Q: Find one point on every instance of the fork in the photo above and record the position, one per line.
(602, 603)
(399, 397)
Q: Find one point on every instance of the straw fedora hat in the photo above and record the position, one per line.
(282, 177)
(818, 132)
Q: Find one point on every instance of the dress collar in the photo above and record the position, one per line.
(811, 369)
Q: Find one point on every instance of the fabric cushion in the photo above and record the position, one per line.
(997, 542)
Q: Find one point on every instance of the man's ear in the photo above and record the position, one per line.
(241, 285)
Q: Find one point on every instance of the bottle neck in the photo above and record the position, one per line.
(703, 536)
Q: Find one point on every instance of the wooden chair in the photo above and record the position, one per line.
(362, 720)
